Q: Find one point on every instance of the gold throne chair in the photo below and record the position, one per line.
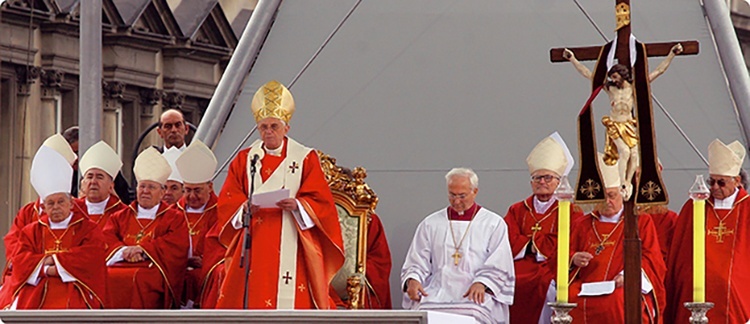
(355, 202)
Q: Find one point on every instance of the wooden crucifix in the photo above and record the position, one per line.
(649, 188)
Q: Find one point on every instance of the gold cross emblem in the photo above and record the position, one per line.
(536, 228)
(651, 190)
(456, 256)
(720, 231)
(268, 303)
(301, 287)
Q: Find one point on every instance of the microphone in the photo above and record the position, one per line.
(255, 159)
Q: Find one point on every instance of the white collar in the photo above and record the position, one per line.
(541, 207)
(727, 202)
(196, 210)
(277, 151)
(62, 224)
(611, 219)
(147, 213)
(181, 148)
(96, 208)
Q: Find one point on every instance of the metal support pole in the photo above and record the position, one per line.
(90, 81)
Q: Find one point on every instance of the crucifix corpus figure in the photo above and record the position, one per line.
(621, 141)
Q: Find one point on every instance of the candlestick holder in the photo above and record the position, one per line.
(561, 311)
(698, 312)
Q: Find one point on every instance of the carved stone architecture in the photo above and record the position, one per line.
(156, 54)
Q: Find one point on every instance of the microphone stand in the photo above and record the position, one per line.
(247, 215)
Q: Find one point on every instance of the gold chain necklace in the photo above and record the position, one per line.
(457, 255)
(603, 242)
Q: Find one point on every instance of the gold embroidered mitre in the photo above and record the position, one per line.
(273, 99)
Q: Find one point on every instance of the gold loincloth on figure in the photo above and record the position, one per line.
(623, 130)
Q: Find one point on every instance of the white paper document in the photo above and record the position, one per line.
(597, 288)
(269, 199)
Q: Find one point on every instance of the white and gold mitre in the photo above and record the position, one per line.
(50, 172)
(197, 163)
(150, 165)
(273, 99)
(100, 156)
(549, 154)
(610, 173)
(725, 160)
(58, 143)
(171, 154)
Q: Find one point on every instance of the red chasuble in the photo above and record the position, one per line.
(320, 248)
(213, 267)
(592, 235)
(79, 250)
(378, 269)
(113, 205)
(727, 263)
(198, 226)
(664, 223)
(526, 226)
(157, 282)
(28, 214)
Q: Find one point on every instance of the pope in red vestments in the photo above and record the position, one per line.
(147, 243)
(296, 245)
(532, 229)
(59, 260)
(597, 246)
(727, 244)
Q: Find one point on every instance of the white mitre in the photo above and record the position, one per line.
(197, 163)
(100, 156)
(58, 143)
(551, 154)
(50, 172)
(150, 165)
(171, 156)
(610, 173)
(725, 160)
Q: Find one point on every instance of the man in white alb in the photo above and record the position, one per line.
(460, 260)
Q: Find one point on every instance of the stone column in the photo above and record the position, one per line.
(28, 99)
(151, 102)
(112, 103)
(50, 95)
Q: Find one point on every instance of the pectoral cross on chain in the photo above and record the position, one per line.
(456, 256)
(536, 228)
(720, 231)
(293, 167)
(286, 278)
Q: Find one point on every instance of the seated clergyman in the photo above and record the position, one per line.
(59, 263)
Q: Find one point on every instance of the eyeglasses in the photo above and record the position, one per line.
(459, 196)
(547, 178)
(711, 182)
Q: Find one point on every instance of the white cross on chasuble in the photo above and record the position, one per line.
(282, 178)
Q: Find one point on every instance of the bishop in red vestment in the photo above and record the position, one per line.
(147, 243)
(99, 166)
(296, 246)
(196, 166)
(32, 211)
(727, 244)
(598, 258)
(59, 260)
(532, 229)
